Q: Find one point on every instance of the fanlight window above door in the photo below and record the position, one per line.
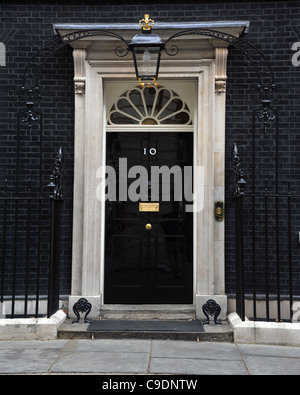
(150, 105)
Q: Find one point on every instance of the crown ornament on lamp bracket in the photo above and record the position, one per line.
(146, 24)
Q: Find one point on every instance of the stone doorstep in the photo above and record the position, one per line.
(271, 333)
(32, 328)
(144, 312)
(147, 312)
(212, 333)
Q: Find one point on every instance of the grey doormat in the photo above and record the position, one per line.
(146, 326)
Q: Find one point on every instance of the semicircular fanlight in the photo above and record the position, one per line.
(150, 105)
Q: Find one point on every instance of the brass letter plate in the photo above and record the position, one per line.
(147, 207)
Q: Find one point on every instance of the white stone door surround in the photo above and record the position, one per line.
(201, 61)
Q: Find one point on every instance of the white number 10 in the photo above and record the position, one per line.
(152, 151)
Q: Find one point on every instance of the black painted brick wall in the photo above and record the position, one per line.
(28, 25)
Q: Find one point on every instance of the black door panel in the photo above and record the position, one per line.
(149, 266)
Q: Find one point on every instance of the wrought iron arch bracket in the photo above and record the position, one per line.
(35, 65)
(30, 90)
(265, 86)
(262, 65)
(255, 56)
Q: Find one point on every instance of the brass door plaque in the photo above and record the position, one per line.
(149, 207)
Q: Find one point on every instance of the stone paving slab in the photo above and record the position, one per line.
(105, 356)
(197, 366)
(271, 351)
(108, 345)
(104, 362)
(202, 350)
(271, 360)
(17, 357)
(196, 358)
(266, 366)
(141, 357)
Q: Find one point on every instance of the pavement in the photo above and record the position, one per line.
(145, 357)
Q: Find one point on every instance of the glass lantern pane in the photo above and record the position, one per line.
(147, 59)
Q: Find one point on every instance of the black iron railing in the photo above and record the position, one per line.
(267, 250)
(29, 250)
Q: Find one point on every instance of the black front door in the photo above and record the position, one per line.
(149, 247)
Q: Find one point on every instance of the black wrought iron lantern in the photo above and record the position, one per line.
(146, 48)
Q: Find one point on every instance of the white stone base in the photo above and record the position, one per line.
(220, 299)
(32, 328)
(274, 333)
(95, 302)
